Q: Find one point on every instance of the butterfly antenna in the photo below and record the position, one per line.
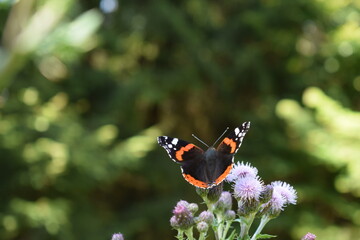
(199, 140)
(220, 136)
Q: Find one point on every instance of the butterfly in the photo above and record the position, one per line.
(205, 169)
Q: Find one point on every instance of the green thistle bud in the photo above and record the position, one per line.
(193, 207)
(229, 215)
(202, 227)
(206, 216)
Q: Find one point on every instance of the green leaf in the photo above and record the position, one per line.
(232, 235)
(265, 236)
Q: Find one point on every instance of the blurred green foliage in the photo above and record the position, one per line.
(86, 90)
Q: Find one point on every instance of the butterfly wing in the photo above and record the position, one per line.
(232, 142)
(179, 150)
(227, 149)
(191, 158)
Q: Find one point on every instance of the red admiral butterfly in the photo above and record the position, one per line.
(205, 169)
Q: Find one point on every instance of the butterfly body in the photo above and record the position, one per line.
(205, 169)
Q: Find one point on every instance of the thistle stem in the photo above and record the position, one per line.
(227, 227)
(220, 226)
(189, 234)
(264, 220)
(202, 236)
(180, 234)
(245, 225)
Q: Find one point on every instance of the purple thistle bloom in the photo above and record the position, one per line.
(309, 236)
(182, 218)
(286, 191)
(117, 236)
(277, 203)
(241, 170)
(248, 188)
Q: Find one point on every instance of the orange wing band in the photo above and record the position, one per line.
(231, 143)
(224, 175)
(181, 151)
(195, 182)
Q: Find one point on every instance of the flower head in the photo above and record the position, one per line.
(224, 203)
(193, 207)
(277, 203)
(182, 218)
(248, 188)
(241, 170)
(229, 215)
(206, 216)
(286, 191)
(117, 236)
(309, 236)
(183, 203)
(202, 227)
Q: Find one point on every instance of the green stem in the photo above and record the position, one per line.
(264, 220)
(180, 234)
(245, 225)
(189, 233)
(202, 236)
(217, 227)
(227, 227)
(220, 226)
(209, 204)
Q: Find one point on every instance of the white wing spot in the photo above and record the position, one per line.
(237, 131)
(175, 141)
(170, 146)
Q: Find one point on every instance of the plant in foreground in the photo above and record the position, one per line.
(253, 200)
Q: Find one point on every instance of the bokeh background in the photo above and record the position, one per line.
(86, 87)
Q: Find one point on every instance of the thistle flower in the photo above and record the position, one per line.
(276, 204)
(309, 236)
(286, 191)
(224, 203)
(183, 218)
(248, 188)
(241, 170)
(206, 216)
(117, 236)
